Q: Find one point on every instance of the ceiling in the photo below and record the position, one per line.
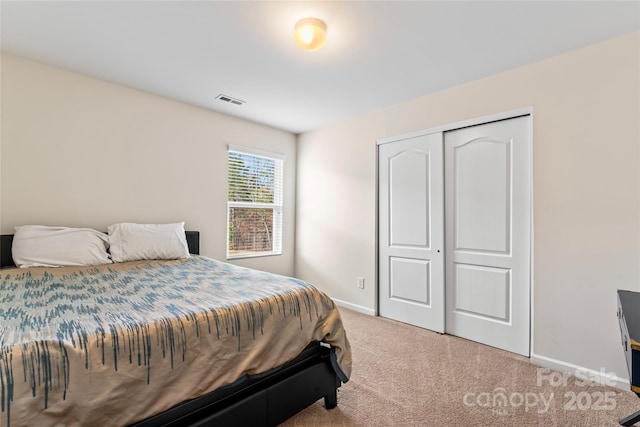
(378, 53)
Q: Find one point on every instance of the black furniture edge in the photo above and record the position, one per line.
(193, 241)
(630, 420)
(6, 240)
(629, 321)
(260, 400)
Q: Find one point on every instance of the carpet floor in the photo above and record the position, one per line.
(408, 376)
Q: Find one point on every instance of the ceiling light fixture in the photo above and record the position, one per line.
(310, 33)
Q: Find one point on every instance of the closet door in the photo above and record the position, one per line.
(488, 211)
(411, 231)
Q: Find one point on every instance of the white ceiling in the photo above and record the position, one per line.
(377, 54)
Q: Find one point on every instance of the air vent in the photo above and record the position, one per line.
(229, 99)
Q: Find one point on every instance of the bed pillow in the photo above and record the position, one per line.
(131, 242)
(42, 246)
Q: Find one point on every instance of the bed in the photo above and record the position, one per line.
(260, 349)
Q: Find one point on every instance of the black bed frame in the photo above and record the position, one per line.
(265, 399)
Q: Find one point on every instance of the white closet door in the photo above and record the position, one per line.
(488, 211)
(411, 231)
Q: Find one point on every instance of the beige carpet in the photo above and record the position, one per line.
(407, 376)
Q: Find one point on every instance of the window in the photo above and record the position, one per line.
(254, 203)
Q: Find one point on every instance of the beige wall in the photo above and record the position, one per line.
(77, 151)
(586, 140)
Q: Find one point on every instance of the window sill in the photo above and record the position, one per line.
(254, 255)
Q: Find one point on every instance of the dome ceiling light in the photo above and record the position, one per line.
(310, 33)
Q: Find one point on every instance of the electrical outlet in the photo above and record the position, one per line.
(361, 282)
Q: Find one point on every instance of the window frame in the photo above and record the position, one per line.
(277, 206)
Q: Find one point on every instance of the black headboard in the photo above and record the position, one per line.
(6, 240)
(5, 250)
(193, 241)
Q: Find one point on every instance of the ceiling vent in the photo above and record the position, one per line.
(230, 99)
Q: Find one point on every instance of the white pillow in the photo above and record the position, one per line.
(42, 246)
(131, 242)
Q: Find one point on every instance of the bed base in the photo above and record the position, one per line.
(260, 400)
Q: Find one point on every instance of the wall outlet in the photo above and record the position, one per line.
(361, 282)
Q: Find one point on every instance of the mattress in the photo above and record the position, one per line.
(115, 344)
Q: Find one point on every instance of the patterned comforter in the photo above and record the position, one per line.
(114, 344)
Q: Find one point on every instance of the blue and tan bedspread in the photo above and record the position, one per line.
(114, 344)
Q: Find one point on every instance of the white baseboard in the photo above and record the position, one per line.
(354, 307)
(601, 377)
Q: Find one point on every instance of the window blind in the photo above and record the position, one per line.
(254, 203)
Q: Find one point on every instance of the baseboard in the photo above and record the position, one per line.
(354, 307)
(601, 377)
